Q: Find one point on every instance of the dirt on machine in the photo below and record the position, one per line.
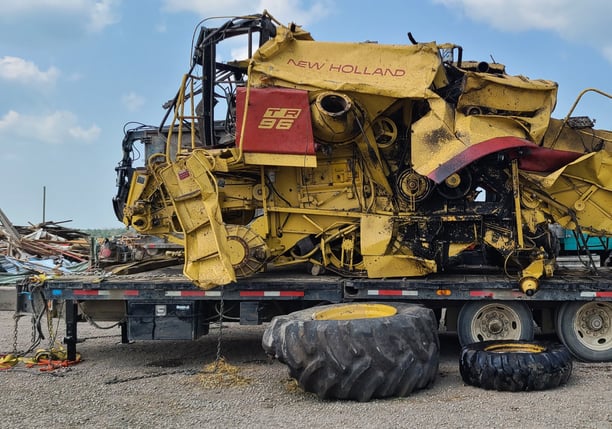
(364, 160)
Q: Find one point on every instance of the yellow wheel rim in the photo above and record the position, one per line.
(356, 311)
(515, 348)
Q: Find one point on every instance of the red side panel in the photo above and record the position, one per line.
(543, 159)
(278, 121)
(531, 156)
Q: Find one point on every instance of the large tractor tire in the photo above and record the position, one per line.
(515, 365)
(357, 351)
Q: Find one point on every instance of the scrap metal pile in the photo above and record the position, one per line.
(45, 248)
(50, 249)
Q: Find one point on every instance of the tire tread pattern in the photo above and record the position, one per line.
(358, 359)
(515, 371)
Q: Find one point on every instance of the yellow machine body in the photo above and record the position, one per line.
(394, 161)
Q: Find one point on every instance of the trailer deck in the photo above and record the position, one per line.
(166, 305)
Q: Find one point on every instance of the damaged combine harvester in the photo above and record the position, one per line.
(393, 175)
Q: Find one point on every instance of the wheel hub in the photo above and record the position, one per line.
(595, 322)
(495, 324)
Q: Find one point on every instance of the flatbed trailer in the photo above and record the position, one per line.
(575, 304)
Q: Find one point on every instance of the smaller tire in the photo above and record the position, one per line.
(515, 365)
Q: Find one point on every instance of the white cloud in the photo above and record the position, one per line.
(103, 13)
(9, 120)
(85, 135)
(584, 22)
(96, 14)
(55, 128)
(19, 70)
(240, 53)
(133, 101)
(607, 51)
(299, 11)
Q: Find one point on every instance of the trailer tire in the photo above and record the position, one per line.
(515, 365)
(357, 351)
(586, 329)
(494, 321)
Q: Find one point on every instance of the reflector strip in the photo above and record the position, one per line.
(271, 293)
(97, 292)
(603, 294)
(89, 292)
(499, 294)
(392, 292)
(482, 293)
(193, 293)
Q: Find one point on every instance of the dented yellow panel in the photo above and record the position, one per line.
(528, 103)
(433, 137)
(367, 68)
(398, 266)
(376, 234)
(489, 106)
(582, 189)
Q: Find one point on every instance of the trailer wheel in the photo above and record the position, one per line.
(489, 321)
(586, 330)
(515, 365)
(357, 351)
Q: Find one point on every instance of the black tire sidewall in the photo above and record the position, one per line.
(359, 359)
(515, 371)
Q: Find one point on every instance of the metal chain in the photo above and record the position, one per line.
(33, 329)
(220, 334)
(116, 380)
(16, 318)
(52, 332)
(95, 324)
(36, 335)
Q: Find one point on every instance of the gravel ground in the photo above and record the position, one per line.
(160, 384)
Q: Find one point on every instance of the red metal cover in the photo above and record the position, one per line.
(533, 158)
(277, 121)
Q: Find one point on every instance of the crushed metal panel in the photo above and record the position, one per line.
(401, 71)
(433, 138)
(526, 104)
(489, 107)
(583, 186)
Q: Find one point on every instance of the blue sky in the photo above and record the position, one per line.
(73, 72)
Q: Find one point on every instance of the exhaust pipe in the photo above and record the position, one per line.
(335, 117)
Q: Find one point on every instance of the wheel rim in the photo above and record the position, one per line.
(592, 325)
(496, 322)
(515, 348)
(355, 311)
